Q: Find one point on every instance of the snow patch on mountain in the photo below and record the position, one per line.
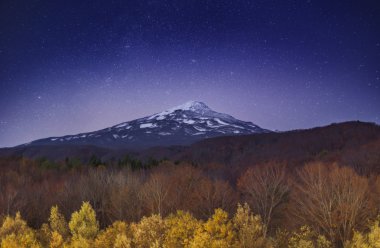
(220, 122)
(200, 129)
(200, 133)
(122, 125)
(164, 133)
(188, 121)
(147, 125)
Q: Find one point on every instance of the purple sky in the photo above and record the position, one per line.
(77, 67)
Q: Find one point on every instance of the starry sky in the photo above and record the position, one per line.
(75, 66)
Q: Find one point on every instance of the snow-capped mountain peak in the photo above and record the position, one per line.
(180, 125)
(195, 106)
(192, 106)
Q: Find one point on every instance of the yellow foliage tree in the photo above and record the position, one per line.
(218, 231)
(249, 228)
(57, 222)
(281, 238)
(83, 223)
(79, 242)
(56, 240)
(122, 241)
(14, 232)
(43, 235)
(369, 240)
(149, 232)
(306, 238)
(180, 230)
(117, 233)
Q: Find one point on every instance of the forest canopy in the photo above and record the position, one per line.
(177, 204)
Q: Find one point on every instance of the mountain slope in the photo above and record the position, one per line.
(353, 143)
(181, 125)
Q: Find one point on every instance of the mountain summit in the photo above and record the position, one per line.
(181, 125)
(192, 106)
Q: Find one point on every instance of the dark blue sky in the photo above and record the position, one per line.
(74, 66)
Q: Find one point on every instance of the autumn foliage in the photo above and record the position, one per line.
(269, 204)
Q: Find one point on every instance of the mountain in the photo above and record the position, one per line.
(181, 125)
(353, 143)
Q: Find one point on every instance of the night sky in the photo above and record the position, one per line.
(76, 66)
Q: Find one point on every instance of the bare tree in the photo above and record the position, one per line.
(155, 192)
(265, 189)
(331, 199)
(185, 179)
(95, 187)
(124, 201)
(211, 194)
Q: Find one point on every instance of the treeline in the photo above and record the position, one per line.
(179, 229)
(317, 205)
(95, 161)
